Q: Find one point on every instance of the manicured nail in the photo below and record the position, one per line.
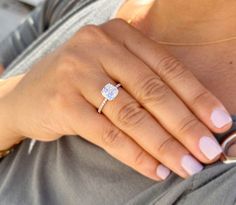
(220, 118)
(162, 171)
(191, 165)
(209, 147)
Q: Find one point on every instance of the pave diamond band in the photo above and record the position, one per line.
(109, 93)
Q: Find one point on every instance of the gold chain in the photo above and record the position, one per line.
(130, 21)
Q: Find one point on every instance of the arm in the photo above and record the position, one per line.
(8, 137)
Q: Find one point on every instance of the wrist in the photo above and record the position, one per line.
(8, 134)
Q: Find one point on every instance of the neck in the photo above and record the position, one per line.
(191, 20)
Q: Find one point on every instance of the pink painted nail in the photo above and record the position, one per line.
(162, 171)
(209, 147)
(220, 118)
(191, 165)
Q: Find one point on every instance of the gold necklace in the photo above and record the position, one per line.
(130, 21)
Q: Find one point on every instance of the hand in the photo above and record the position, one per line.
(162, 118)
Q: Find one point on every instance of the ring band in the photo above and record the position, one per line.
(109, 93)
(230, 140)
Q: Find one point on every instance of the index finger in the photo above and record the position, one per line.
(200, 100)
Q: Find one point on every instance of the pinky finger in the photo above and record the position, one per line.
(97, 129)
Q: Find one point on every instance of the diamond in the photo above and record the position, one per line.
(110, 91)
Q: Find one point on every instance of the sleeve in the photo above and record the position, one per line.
(34, 25)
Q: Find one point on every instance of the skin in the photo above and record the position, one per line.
(1, 68)
(141, 128)
(201, 22)
(213, 65)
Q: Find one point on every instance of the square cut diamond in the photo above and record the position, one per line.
(110, 91)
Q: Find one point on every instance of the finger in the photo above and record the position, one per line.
(153, 94)
(157, 97)
(201, 101)
(125, 113)
(99, 130)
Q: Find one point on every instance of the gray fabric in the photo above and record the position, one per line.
(44, 16)
(73, 171)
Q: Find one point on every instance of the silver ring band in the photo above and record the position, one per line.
(225, 145)
(109, 93)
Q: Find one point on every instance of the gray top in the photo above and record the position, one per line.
(73, 171)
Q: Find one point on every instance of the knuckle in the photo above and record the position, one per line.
(112, 137)
(140, 158)
(58, 101)
(153, 90)
(165, 146)
(89, 30)
(93, 34)
(200, 97)
(118, 22)
(170, 68)
(130, 115)
(187, 125)
(66, 64)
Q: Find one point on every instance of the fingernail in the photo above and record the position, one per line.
(191, 165)
(162, 171)
(220, 118)
(209, 147)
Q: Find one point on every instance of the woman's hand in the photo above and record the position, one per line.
(162, 117)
